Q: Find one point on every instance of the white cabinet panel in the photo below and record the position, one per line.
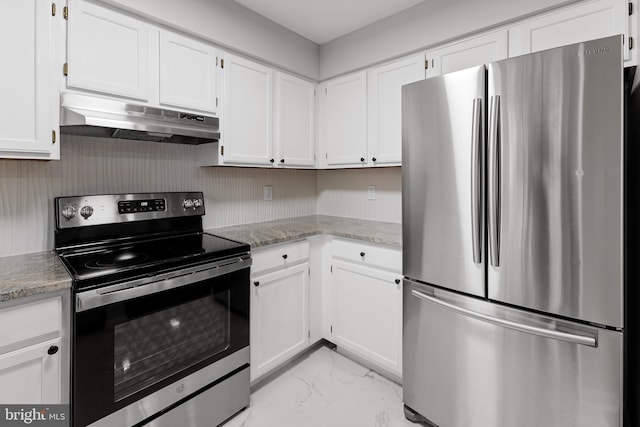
(247, 112)
(344, 123)
(108, 51)
(33, 373)
(368, 314)
(187, 73)
(468, 53)
(279, 317)
(582, 22)
(295, 121)
(28, 105)
(385, 107)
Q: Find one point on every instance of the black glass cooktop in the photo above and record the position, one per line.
(112, 263)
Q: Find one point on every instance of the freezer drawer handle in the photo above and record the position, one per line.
(547, 333)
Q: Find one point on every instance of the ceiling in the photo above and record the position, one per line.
(323, 21)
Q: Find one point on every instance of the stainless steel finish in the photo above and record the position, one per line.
(105, 208)
(461, 371)
(493, 193)
(477, 180)
(161, 282)
(161, 399)
(89, 115)
(588, 340)
(211, 407)
(436, 195)
(561, 181)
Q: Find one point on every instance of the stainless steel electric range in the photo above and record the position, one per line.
(161, 319)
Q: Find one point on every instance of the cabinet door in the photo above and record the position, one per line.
(344, 125)
(582, 22)
(27, 105)
(187, 73)
(247, 112)
(295, 121)
(108, 51)
(367, 317)
(385, 105)
(33, 373)
(279, 317)
(467, 53)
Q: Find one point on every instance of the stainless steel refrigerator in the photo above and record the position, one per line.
(513, 197)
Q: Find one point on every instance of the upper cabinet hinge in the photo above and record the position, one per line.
(53, 136)
(630, 9)
(222, 150)
(65, 69)
(53, 9)
(65, 12)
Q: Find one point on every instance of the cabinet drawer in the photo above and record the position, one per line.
(27, 321)
(368, 254)
(279, 256)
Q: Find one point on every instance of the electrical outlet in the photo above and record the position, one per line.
(371, 192)
(268, 192)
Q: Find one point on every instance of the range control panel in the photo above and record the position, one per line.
(81, 211)
(133, 206)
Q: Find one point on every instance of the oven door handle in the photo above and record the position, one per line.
(150, 285)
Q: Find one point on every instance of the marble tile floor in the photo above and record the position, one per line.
(324, 389)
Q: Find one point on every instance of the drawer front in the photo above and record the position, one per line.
(32, 320)
(368, 254)
(279, 256)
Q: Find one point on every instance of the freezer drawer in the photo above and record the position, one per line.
(471, 363)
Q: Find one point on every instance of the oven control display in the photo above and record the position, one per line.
(135, 206)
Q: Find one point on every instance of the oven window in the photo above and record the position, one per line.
(151, 348)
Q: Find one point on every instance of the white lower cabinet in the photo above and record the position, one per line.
(366, 304)
(279, 306)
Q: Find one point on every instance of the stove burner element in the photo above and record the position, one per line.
(119, 259)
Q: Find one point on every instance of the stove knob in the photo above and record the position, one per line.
(187, 203)
(69, 212)
(86, 211)
(197, 203)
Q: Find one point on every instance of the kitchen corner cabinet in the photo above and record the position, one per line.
(466, 53)
(279, 306)
(385, 107)
(29, 113)
(343, 132)
(31, 356)
(577, 23)
(366, 301)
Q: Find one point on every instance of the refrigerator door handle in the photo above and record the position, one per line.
(494, 180)
(477, 182)
(555, 334)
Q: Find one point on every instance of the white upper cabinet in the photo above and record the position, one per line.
(581, 22)
(107, 51)
(385, 107)
(187, 73)
(294, 121)
(467, 53)
(344, 120)
(247, 114)
(28, 101)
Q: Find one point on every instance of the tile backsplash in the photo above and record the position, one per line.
(232, 195)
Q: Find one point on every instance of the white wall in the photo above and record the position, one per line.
(343, 192)
(425, 25)
(229, 24)
(94, 165)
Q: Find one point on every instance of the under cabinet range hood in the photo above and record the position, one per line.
(93, 116)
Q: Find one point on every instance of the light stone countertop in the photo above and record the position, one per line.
(284, 230)
(31, 274)
(42, 272)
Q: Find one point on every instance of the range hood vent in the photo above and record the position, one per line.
(92, 116)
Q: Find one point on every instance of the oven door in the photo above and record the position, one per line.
(133, 341)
